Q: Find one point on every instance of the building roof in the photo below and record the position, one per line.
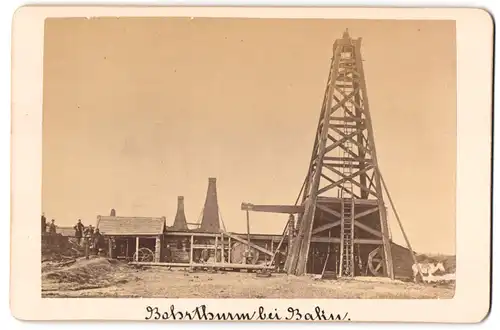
(130, 226)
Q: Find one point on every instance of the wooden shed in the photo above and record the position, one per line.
(134, 238)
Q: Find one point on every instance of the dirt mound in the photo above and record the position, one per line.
(57, 247)
(85, 274)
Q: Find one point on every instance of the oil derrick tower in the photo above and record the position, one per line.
(210, 221)
(342, 197)
(180, 222)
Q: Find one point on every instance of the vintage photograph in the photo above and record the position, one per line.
(191, 157)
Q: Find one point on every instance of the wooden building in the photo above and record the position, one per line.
(135, 238)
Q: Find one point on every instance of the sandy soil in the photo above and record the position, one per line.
(100, 278)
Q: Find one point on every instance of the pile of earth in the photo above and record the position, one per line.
(82, 274)
(59, 247)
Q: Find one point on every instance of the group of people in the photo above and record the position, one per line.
(51, 226)
(91, 236)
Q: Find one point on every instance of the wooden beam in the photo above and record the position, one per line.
(188, 234)
(191, 250)
(334, 200)
(336, 171)
(389, 266)
(214, 265)
(365, 213)
(287, 209)
(326, 226)
(340, 142)
(136, 248)
(348, 119)
(229, 249)
(329, 211)
(344, 179)
(324, 239)
(341, 146)
(368, 229)
(244, 241)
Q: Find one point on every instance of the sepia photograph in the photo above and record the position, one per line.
(248, 158)
(255, 157)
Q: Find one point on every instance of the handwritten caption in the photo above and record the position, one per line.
(202, 313)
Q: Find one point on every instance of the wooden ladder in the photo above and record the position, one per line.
(347, 247)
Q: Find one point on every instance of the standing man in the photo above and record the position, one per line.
(277, 261)
(91, 231)
(98, 242)
(52, 232)
(44, 223)
(168, 253)
(52, 227)
(79, 231)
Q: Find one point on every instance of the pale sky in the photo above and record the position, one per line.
(138, 111)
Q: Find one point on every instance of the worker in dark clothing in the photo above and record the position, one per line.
(98, 242)
(44, 223)
(112, 248)
(89, 231)
(79, 231)
(168, 253)
(277, 261)
(52, 227)
(52, 232)
(204, 255)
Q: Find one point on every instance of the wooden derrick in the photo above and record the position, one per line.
(342, 197)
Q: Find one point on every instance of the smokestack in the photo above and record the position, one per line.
(180, 222)
(112, 213)
(210, 220)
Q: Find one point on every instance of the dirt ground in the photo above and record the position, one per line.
(104, 278)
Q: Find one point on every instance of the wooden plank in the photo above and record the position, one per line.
(213, 265)
(365, 213)
(287, 209)
(352, 139)
(188, 234)
(348, 119)
(136, 248)
(368, 229)
(335, 200)
(344, 179)
(339, 173)
(206, 246)
(340, 142)
(326, 226)
(222, 248)
(324, 239)
(244, 241)
(328, 210)
(191, 250)
(216, 247)
(128, 235)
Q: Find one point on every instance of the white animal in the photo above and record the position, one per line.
(427, 269)
(440, 278)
